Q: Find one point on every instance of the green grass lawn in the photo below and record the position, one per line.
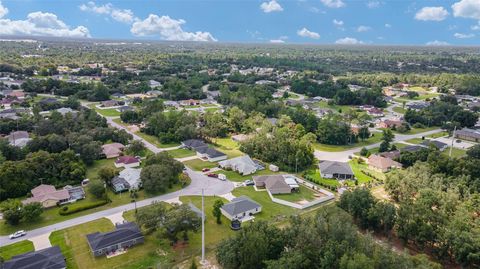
(270, 210)
(181, 153)
(334, 148)
(357, 169)
(456, 153)
(439, 134)
(314, 175)
(211, 109)
(198, 164)
(415, 140)
(209, 105)
(7, 252)
(304, 194)
(108, 112)
(418, 130)
(228, 146)
(154, 140)
(292, 95)
(399, 110)
(422, 96)
(336, 108)
(119, 121)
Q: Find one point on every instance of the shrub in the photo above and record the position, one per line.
(77, 208)
(418, 125)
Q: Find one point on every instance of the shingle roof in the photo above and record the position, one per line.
(211, 152)
(243, 164)
(468, 132)
(240, 205)
(49, 258)
(123, 232)
(194, 143)
(382, 162)
(127, 160)
(436, 143)
(331, 167)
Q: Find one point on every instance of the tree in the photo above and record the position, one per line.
(106, 173)
(131, 116)
(156, 178)
(363, 133)
(384, 146)
(180, 219)
(12, 211)
(193, 265)
(474, 152)
(151, 218)
(32, 211)
(97, 189)
(217, 213)
(364, 152)
(136, 147)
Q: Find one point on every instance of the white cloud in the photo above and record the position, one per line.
(363, 28)
(373, 4)
(476, 27)
(388, 25)
(348, 41)
(304, 32)
(437, 43)
(467, 9)
(333, 3)
(3, 10)
(121, 15)
(277, 41)
(271, 6)
(338, 22)
(168, 29)
(463, 36)
(41, 24)
(431, 14)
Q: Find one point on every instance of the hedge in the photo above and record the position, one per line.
(70, 209)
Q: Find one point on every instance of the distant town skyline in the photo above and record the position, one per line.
(433, 22)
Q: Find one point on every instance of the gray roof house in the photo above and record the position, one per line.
(468, 134)
(66, 110)
(211, 154)
(439, 145)
(412, 148)
(243, 165)
(241, 208)
(276, 184)
(124, 236)
(19, 138)
(48, 258)
(128, 178)
(193, 143)
(338, 170)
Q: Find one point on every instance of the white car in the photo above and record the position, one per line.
(18, 234)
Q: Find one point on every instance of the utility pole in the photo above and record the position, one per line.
(203, 229)
(453, 137)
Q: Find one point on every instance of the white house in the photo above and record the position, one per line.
(241, 208)
(244, 165)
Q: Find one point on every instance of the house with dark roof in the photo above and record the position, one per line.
(338, 170)
(193, 144)
(468, 134)
(210, 154)
(124, 236)
(437, 144)
(412, 148)
(48, 258)
(241, 208)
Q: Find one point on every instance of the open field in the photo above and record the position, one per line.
(227, 146)
(154, 140)
(376, 138)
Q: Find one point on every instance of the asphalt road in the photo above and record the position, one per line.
(211, 187)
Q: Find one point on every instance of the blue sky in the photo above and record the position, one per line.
(455, 22)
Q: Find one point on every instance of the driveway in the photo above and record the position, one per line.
(211, 186)
(342, 156)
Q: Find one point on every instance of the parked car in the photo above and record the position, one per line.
(205, 170)
(249, 182)
(17, 234)
(222, 177)
(212, 175)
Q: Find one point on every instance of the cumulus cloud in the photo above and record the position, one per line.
(437, 43)
(373, 4)
(388, 25)
(168, 29)
(41, 24)
(333, 3)
(277, 41)
(363, 28)
(304, 32)
(463, 36)
(272, 6)
(348, 41)
(431, 14)
(3, 10)
(338, 23)
(467, 9)
(476, 27)
(121, 15)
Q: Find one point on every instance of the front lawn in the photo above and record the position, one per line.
(439, 134)
(227, 146)
(181, 153)
(415, 140)
(108, 112)
(456, 153)
(313, 175)
(270, 210)
(7, 252)
(376, 138)
(357, 169)
(418, 130)
(198, 164)
(304, 194)
(155, 141)
(399, 110)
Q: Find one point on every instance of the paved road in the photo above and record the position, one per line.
(211, 186)
(342, 156)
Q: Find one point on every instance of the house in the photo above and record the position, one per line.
(153, 93)
(19, 94)
(118, 95)
(241, 208)
(109, 103)
(244, 165)
(192, 144)
(388, 123)
(127, 162)
(394, 154)
(273, 168)
(124, 236)
(169, 103)
(412, 148)
(128, 179)
(468, 134)
(240, 137)
(277, 184)
(439, 145)
(418, 105)
(112, 150)
(375, 112)
(47, 258)
(19, 138)
(211, 154)
(48, 196)
(154, 84)
(65, 110)
(382, 164)
(189, 102)
(333, 169)
(125, 108)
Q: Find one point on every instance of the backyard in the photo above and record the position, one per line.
(228, 146)
(303, 194)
